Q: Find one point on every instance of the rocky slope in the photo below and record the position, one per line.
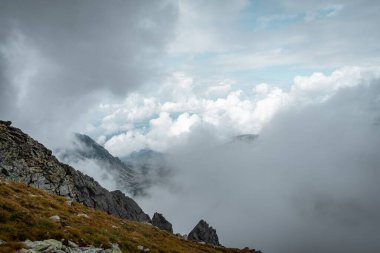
(38, 221)
(25, 160)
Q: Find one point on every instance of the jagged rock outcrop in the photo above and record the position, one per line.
(202, 232)
(159, 221)
(25, 160)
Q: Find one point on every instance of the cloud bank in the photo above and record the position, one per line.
(309, 183)
(165, 122)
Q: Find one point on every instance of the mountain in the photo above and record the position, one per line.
(25, 160)
(48, 206)
(85, 150)
(247, 138)
(133, 174)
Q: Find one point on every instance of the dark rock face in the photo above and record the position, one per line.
(202, 232)
(25, 160)
(159, 221)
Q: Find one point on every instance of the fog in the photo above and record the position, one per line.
(309, 183)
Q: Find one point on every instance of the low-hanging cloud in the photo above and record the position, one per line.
(309, 183)
(58, 58)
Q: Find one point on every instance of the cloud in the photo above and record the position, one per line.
(200, 24)
(264, 36)
(60, 58)
(218, 90)
(162, 122)
(309, 183)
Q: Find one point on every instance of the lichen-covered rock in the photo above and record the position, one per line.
(202, 232)
(25, 160)
(55, 246)
(159, 221)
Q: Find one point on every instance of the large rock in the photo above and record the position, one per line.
(25, 160)
(159, 221)
(55, 246)
(202, 232)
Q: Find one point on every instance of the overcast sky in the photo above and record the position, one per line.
(184, 77)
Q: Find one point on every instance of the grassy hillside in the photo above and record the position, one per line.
(25, 212)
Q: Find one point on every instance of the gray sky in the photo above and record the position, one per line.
(184, 77)
(61, 57)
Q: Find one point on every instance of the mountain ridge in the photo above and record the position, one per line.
(25, 160)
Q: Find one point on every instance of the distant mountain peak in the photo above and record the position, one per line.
(246, 138)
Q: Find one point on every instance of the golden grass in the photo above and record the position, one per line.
(25, 212)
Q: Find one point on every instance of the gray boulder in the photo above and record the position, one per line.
(202, 232)
(159, 221)
(55, 246)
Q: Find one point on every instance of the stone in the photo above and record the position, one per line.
(202, 232)
(115, 248)
(55, 218)
(159, 221)
(6, 123)
(55, 246)
(140, 247)
(47, 245)
(72, 244)
(146, 250)
(83, 215)
(29, 244)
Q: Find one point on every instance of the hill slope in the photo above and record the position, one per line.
(25, 160)
(25, 214)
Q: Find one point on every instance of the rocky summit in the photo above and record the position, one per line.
(202, 232)
(23, 159)
(159, 221)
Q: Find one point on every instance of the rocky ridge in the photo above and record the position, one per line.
(159, 221)
(84, 148)
(25, 160)
(133, 174)
(203, 232)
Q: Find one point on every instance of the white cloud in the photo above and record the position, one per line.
(309, 183)
(218, 90)
(172, 122)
